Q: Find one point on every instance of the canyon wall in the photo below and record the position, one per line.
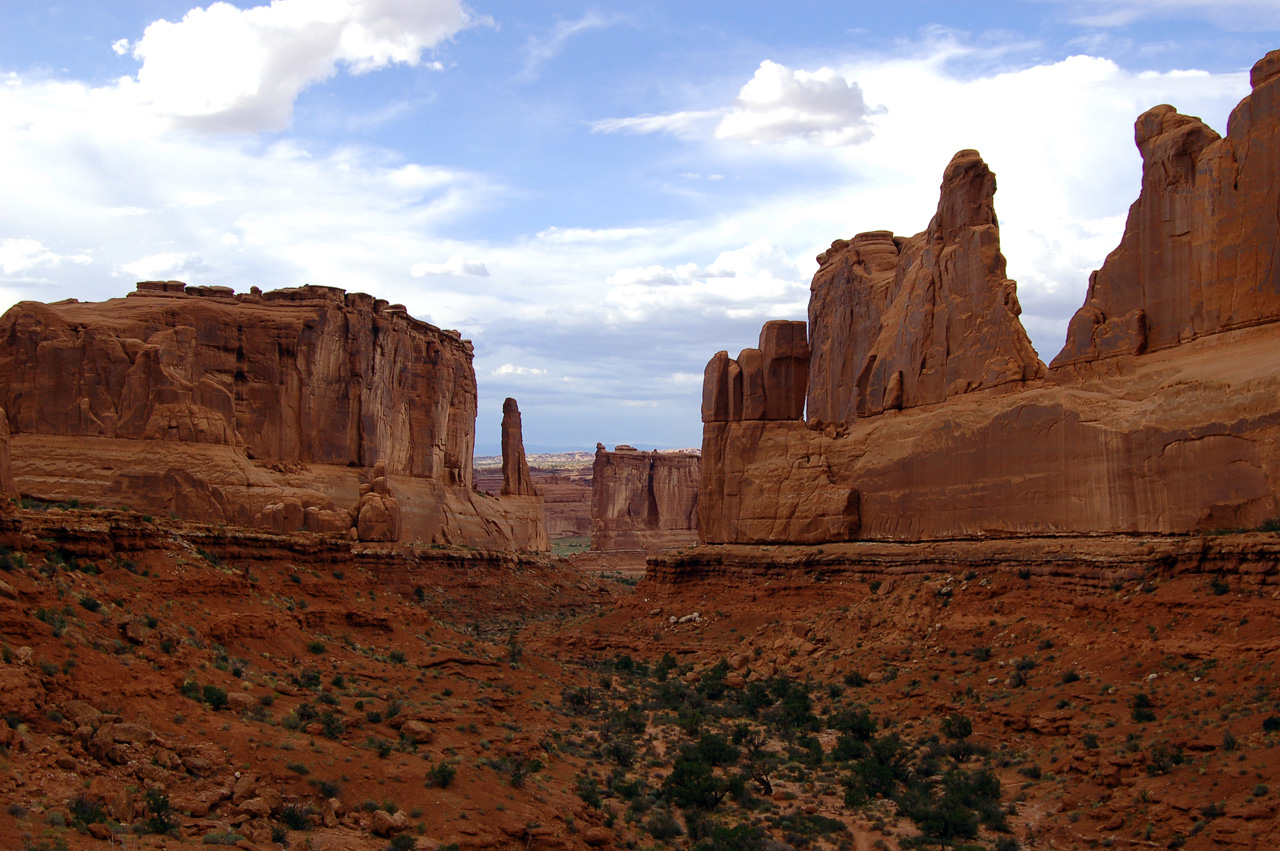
(257, 408)
(644, 501)
(930, 416)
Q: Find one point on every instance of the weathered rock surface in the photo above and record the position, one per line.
(1199, 253)
(643, 500)
(899, 322)
(931, 418)
(516, 479)
(8, 486)
(259, 407)
(766, 383)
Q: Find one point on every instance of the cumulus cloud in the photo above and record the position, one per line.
(778, 104)
(454, 266)
(157, 265)
(22, 255)
(228, 69)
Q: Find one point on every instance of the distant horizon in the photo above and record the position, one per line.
(599, 199)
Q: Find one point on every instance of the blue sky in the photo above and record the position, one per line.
(599, 196)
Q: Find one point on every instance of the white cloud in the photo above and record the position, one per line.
(454, 266)
(542, 49)
(778, 104)
(155, 265)
(120, 47)
(512, 369)
(223, 68)
(757, 280)
(22, 255)
(1239, 15)
(577, 235)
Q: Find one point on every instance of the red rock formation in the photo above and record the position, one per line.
(1161, 413)
(8, 487)
(1199, 253)
(903, 322)
(255, 407)
(643, 500)
(516, 480)
(767, 383)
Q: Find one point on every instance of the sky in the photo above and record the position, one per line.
(599, 196)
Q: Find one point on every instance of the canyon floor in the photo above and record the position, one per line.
(168, 685)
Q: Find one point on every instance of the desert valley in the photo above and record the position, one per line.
(917, 589)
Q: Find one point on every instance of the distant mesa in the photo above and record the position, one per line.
(928, 415)
(278, 409)
(643, 501)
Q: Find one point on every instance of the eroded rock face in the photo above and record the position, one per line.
(766, 383)
(896, 323)
(8, 486)
(1199, 253)
(931, 418)
(643, 500)
(308, 374)
(516, 479)
(266, 409)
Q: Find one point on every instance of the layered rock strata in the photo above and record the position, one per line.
(203, 403)
(643, 501)
(930, 417)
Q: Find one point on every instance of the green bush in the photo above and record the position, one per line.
(442, 774)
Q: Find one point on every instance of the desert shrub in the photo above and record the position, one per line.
(957, 726)
(1142, 712)
(160, 816)
(214, 696)
(296, 816)
(692, 784)
(663, 826)
(1162, 759)
(85, 810)
(1271, 724)
(221, 837)
(589, 791)
(856, 722)
(403, 842)
(1070, 676)
(441, 774)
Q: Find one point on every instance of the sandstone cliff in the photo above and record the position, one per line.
(643, 500)
(930, 416)
(898, 322)
(257, 407)
(1199, 253)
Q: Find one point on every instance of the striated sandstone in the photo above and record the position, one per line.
(643, 500)
(896, 322)
(928, 413)
(765, 383)
(1198, 254)
(265, 408)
